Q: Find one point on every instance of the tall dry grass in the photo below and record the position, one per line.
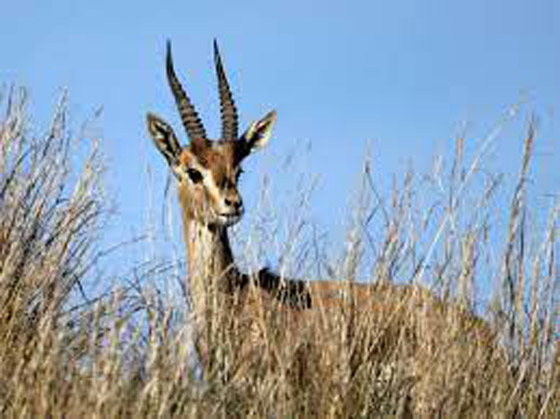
(129, 352)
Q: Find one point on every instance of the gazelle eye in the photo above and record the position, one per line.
(194, 175)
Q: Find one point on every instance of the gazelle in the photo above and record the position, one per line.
(207, 174)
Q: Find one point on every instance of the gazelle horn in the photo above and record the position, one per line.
(227, 105)
(191, 121)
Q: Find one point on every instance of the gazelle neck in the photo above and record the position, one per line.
(209, 253)
(211, 268)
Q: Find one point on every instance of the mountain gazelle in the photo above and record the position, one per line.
(207, 173)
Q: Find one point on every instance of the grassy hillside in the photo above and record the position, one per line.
(129, 352)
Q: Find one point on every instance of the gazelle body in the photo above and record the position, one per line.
(207, 175)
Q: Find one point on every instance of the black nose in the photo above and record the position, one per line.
(236, 204)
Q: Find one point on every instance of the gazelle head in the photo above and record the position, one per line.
(208, 170)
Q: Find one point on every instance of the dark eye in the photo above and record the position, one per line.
(194, 175)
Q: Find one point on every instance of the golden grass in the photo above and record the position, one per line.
(129, 353)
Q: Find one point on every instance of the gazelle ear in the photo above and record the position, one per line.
(163, 137)
(259, 133)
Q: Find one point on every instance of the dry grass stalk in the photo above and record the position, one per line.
(393, 350)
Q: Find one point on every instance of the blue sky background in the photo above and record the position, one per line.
(400, 78)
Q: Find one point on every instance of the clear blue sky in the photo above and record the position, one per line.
(403, 75)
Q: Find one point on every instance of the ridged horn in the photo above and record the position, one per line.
(227, 105)
(191, 121)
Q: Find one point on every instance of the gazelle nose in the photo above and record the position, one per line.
(235, 203)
